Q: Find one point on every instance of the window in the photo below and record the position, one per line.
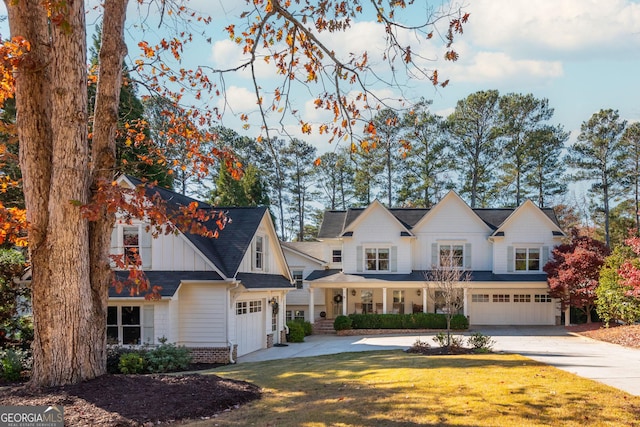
(542, 298)
(521, 298)
(255, 306)
(297, 276)
(336, 255)
(377, 259)
(241, 307)
(501, 298)
(441, 305)
(259, 252)
(398, 296)
(479, 297)
(295, 315)
(131, 243)
(124, 325)
(451, 255)
(527, 259)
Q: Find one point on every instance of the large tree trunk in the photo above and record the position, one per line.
(51, 101)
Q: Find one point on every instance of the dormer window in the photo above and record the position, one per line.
(259, 253)
(451, 255)
(131, 243)
(527, 259)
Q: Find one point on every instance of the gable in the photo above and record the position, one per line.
(528, 220)
(377, 220)
(452, 214)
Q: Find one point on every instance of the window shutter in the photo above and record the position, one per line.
(510, 259)
(265, 254)
(359, 261)
(145, 247)
(394, 259)
(467, 256)
(545, 255)
(147, 325)
(434, 255)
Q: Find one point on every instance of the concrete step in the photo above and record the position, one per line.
(323, 327)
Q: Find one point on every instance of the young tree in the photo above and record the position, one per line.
(474, 129)
(598, 157)
(424, 177)
(574, 270)
(69, 196)
(614, 302)
(449, 281)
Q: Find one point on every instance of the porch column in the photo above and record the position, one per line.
(384, 300)
(424, 300)
(464, 303)
(344, 301)
(567, 316)
(312, 315)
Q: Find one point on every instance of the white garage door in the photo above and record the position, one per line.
(250, 327)
(511, 307)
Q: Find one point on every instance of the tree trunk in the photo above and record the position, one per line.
(51, 101)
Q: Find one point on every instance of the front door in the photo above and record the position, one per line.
(335, 303)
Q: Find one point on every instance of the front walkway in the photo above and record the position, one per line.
(610, 364)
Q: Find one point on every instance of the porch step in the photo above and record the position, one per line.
(323, 327)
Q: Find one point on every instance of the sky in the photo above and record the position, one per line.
(582, 55)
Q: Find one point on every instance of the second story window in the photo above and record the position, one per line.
(297, 276)
(527, 259)
(259, 255)
(451, 255)
(336, 256)
(376, 259)
(131, 243)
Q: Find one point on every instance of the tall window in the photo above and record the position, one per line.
(451, 255)
(297, 276)
(259, 252)
(336, 255)
(124, 325)
(527, 259)
(398, 296)
(131, 243)
(377, 259)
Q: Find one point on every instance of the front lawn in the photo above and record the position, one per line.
(393, 388)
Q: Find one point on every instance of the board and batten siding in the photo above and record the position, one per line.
(377, 230)
(529, 228)
(174, 252)
(202, 316)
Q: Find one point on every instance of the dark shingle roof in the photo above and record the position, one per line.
(226, 251)
(169, 281)
(419, 276)
(263, 281)
(335, 222)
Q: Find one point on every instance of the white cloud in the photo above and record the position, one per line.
(497, 67)
(553, 28)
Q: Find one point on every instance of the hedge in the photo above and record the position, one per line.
(406, 321)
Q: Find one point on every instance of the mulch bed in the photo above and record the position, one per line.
(626, 335)
(134, 400)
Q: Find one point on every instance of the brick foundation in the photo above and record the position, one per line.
(269, 340)
(283, 336)
(212, 354)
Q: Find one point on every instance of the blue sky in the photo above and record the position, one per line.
(583, 55)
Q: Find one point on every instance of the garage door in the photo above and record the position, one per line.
(250, 327)
(511, 307)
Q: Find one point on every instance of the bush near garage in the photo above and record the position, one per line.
(296, 331)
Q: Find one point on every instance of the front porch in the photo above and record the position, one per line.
(385, 300)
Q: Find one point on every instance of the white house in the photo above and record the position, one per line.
(374, 259)
(219, 297)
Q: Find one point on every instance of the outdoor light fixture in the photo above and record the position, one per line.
(273, 301)
(353, 292)
(419, 292)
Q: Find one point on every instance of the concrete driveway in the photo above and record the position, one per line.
(610, 364)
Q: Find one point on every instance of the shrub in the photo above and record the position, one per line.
(480, 343)
(296, 332)
(113, 357)
(13, 362)
(306, 326)
(132, 363)
(419, 346)
(167, 358)
(459, 321)
(440, 339)
(342, 323)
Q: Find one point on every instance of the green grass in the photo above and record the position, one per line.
(393, 388)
